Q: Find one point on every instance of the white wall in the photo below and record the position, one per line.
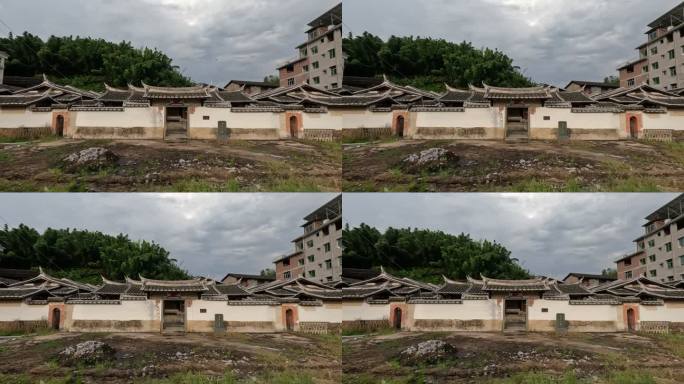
(20, 118)
(366, 119)
(130, 118)
(575, 120)
(246, 313)
(471, 118)
(127, 311)
(671, 120)
(330, 120)
(469, 310)
(353, 311)
(673, 312)
(328, 313)
(20, 311)
(246, 120)
(573, 312)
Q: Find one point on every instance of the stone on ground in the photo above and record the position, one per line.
(431, 352)
(94, 158)
(88, 352)
(432, 160)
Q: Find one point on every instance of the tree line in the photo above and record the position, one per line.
(87, 63)
(85, 256)
(429, 63)
(426, 255)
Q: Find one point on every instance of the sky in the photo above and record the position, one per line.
(213, 41)
(553, 41)
(551, 234)
(210, 234)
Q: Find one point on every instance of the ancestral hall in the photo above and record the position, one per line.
(303, 305)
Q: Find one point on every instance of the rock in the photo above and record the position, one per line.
(430, 352)
(92, 159)
(433, 159)
(88, 352)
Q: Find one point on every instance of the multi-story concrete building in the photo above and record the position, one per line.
(249, 88)
(661, 57)
(660, 250)
(3, 57)
(320, 62)
(318, 252)
(587, 280)
(590, 87)
(246, 281)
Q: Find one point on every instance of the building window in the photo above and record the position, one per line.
(652, 258)
(668, 247)
(671, 54)
(630, 83)
(670, 278)
(670, 264)
(314, 50)
(673, 72)
(317, 80)
(290, 82)
(334, 85)
(628, 262)
(656, 80)
(315, 65)
(655, 66)
(628, 275)
(312, 273)
(332, 54)
(328, 264)
(287, 275)
(306, 68)
(300, 261)
(310, 258)
(286, 262)
(651, 243)
(654, 51)
(681, 260)
(333, 71)
(203, 310)
(327, 247)
(643, 261)
(645, 68)
(309, 244)
(654, 273)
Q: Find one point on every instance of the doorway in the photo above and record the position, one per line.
(289, 320)
(174, 315)
(400, 126)
(176, 122)
(294, 127)
(56, 318)
(397, 318)
(631, 320)
(517, 122)
(515, 315)
(59, 129)
(634, 127)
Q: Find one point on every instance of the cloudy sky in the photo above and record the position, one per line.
(554, 41)
(210, 234)
(213, 41)
(551, 234)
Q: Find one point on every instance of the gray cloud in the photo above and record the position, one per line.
(212, 41)
(553, 41)
(551, 234)
(210, 234)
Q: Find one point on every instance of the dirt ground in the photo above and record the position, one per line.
(143, 358)
(496, 357)
(492, 166)
(157, 166)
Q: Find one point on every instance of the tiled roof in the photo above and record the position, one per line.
(235, 97)
(19, 293)
(230, 290)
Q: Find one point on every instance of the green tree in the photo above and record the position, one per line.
(429, 63)
(271, 79)
(614, 80)
(89, 63)
(84, 255)
(610, 272)
(268, 272)
(427, 255)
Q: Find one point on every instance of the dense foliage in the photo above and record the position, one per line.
(427, 255)
(429, 63)
(85, 256)
(88, 63)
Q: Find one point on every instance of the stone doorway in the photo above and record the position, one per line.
(59, 126)
(294, 127)
(176, 123)
(397, 319)
(173, 316)
(517, 123)
(634, 127)
(631, 320)
(56, 319)
(515, 315)
(401, 122)
(289, 320)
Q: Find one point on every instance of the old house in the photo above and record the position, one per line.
(246, 281)
(249, 88)
(590, 87)
(587, 280)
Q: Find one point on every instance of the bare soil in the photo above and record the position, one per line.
(154, 356)
(490, 166)
(488, 357)
(193, 166)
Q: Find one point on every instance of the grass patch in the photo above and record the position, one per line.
(542, 186)
(286, 377)
(5, 157)
(673, 342)
(195, 185)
